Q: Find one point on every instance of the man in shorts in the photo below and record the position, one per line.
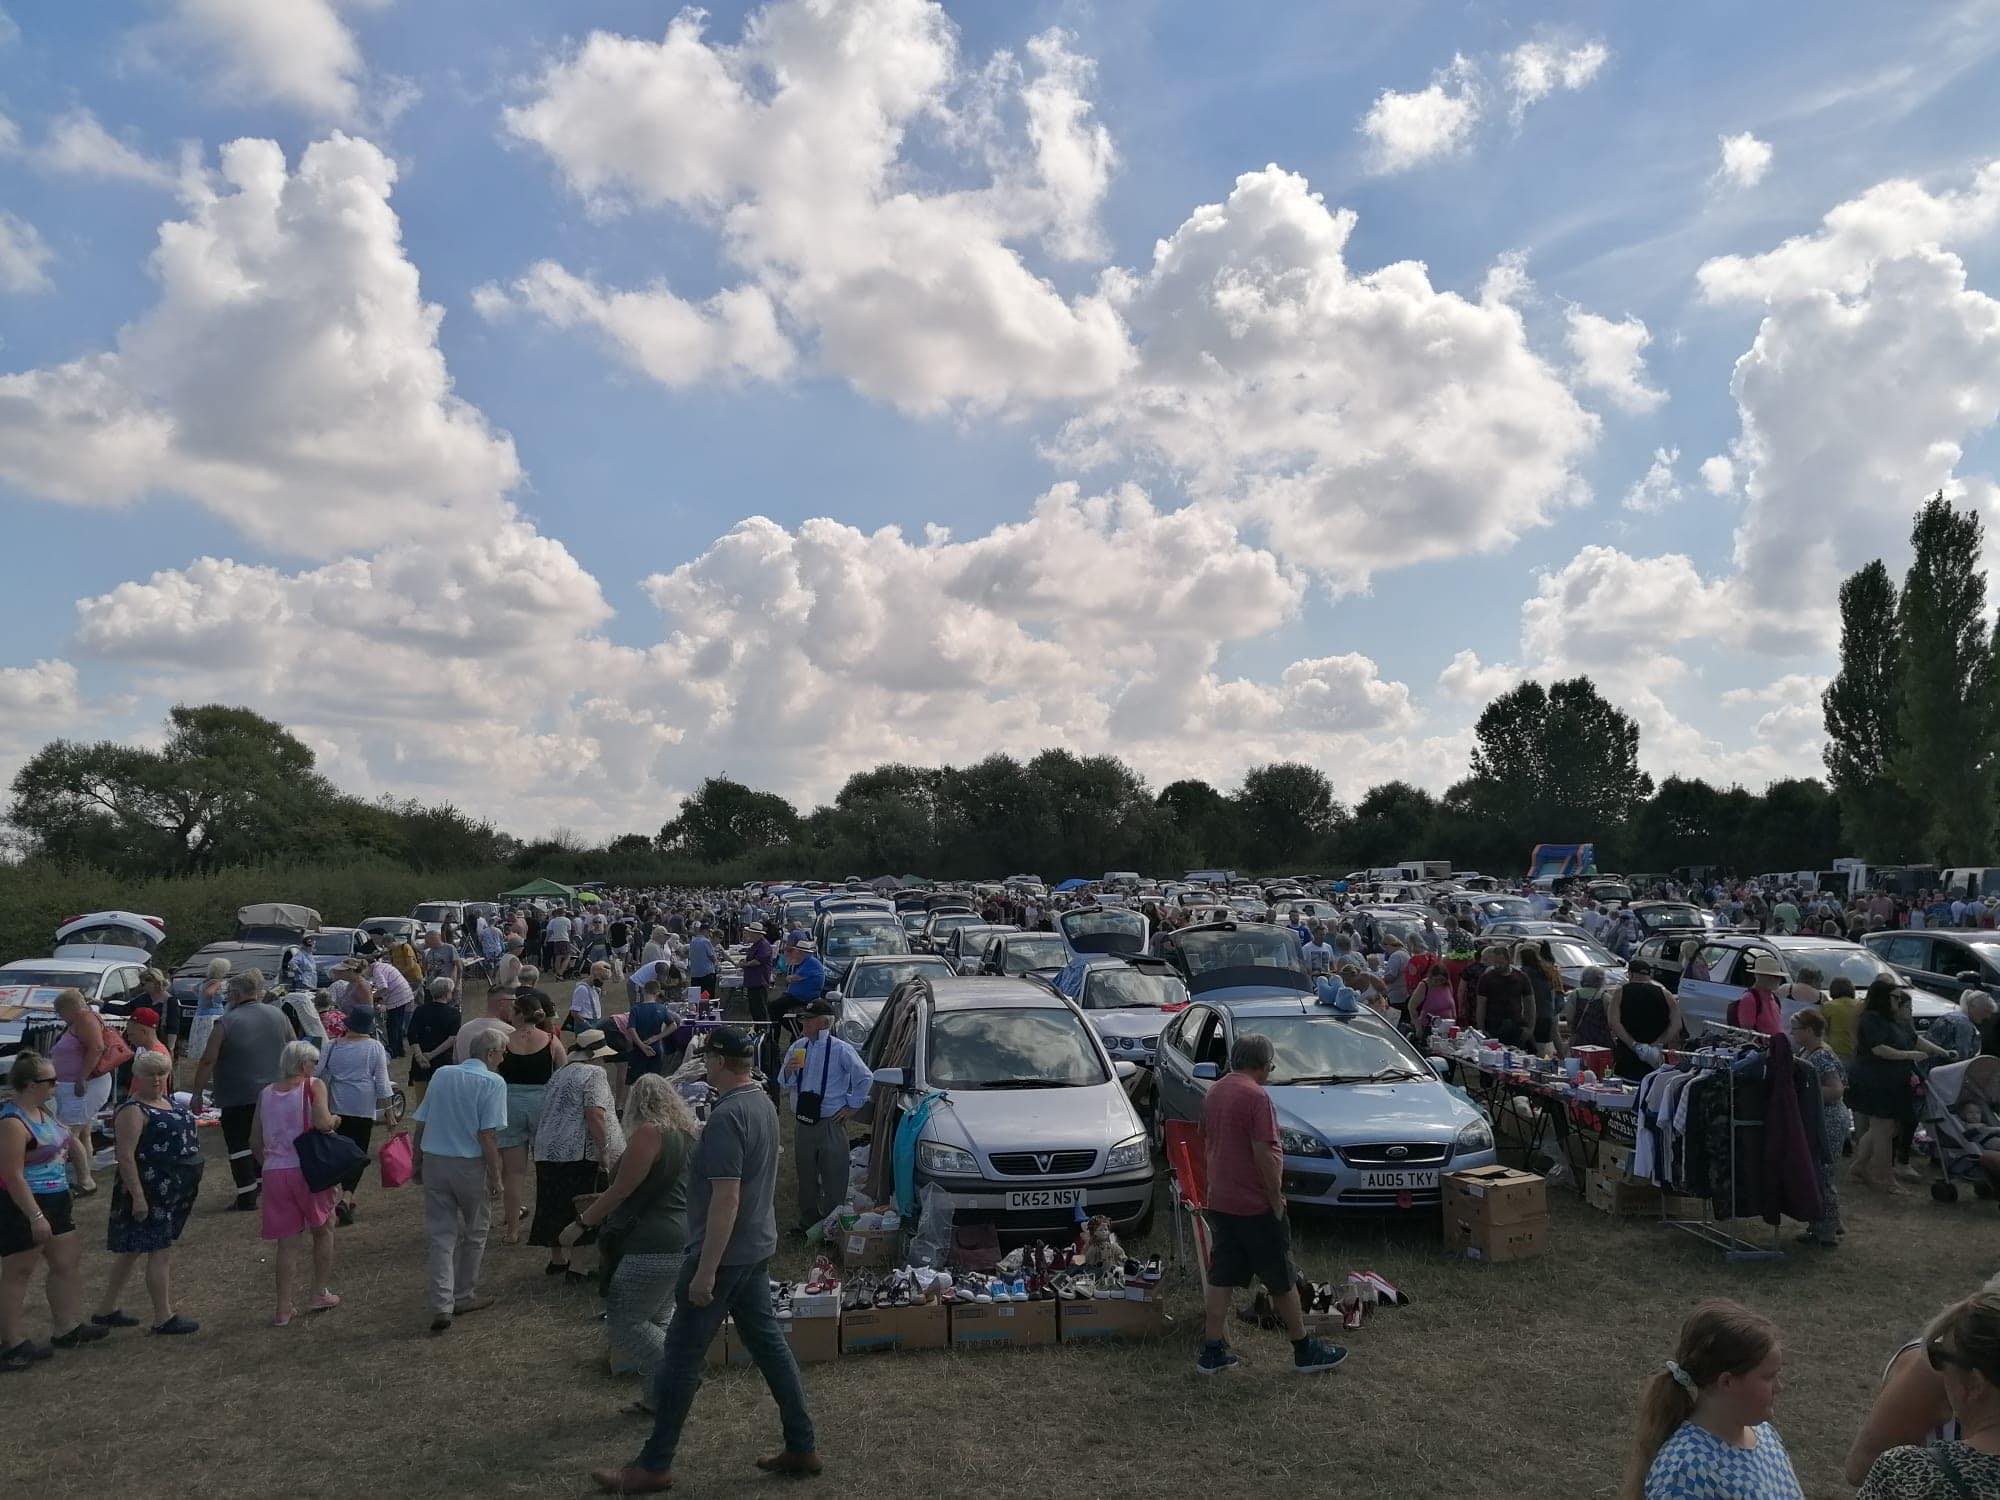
(1248, 1234)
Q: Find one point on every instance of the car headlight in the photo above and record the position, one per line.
(946, 1161)
(1478, 1136)
(1130, 1154)
(1301, 1143)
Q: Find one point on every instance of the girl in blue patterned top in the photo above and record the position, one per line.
(1705, 1428)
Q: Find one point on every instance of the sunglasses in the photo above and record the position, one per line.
(1939, 1357)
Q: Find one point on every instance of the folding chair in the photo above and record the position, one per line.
(1187, 1176)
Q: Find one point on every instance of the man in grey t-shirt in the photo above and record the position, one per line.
(242, 1056)
(725, 1273)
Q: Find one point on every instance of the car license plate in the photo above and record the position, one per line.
(1058, 1197)
(1403, 1181)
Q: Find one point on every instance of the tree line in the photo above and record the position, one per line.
(1912, 720)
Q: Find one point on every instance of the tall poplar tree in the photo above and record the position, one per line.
(1862, 715)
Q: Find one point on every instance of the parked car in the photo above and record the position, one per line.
(1023, 952)
(386, 930)
(846, 934)
(1663, 955)
(1103, 929)
(1718, 973)
(268, 959)
(1672, 916)
(100, 954)
(434, 914)
(869, 983)
(1363, 1120)
(1573, 949)
(1128, 998)
(1230, 961)
(332, 946)
(1939, 958)
(1039, 1126)
(965, 945)
(1520, 931)
(942, 922)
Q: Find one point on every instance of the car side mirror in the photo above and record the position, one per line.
(1441, 1066)
(835, 995)
(1207, 1072)
(895, 1078)
(1126, 1069)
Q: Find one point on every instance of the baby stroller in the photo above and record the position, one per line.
(1961, 1110)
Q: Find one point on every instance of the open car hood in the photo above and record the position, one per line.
(110, 934)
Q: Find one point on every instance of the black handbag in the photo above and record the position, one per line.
(324, 1157)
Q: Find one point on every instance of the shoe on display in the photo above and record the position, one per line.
(1317, 1357)
(1215, 1358)
(1019, 1289)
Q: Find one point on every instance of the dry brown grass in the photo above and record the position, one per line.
(1499, 1381)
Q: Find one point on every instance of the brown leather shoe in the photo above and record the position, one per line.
(632, 1480)
(799, 1465)
(473, 1305)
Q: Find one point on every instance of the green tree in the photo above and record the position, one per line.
(1393, 821)
(1557, 764)
(1946, 686)
(725, 819)
(1288, 813)
(1862, 716)
(228, 787)
(1208, 836)
(1095, 803)
(1683, 823)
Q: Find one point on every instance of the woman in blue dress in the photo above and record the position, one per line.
(159, 1175)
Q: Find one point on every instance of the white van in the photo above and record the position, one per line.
(1974, 882)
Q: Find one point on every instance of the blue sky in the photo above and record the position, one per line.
(1608, 186)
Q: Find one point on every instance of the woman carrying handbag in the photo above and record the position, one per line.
(288, 1113)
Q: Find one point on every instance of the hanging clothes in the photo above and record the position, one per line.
(1791, 1156)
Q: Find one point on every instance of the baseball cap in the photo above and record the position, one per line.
(145, 1015)
(821, 1007)
(730, 1041)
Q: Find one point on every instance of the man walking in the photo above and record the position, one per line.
(242, 1056)
(442, 961)
(732, 1226)
(827, 1084)
(1246, 1212)
(458, 1163)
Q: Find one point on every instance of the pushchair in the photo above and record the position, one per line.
(1961, 1111)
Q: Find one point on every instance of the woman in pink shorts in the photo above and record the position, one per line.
(286, 1110)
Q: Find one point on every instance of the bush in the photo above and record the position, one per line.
(37, 898)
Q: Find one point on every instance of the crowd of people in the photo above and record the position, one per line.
(566, 1116)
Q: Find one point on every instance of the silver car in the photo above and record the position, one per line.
(1719, 973)
(868, 984)
(1036, 1131)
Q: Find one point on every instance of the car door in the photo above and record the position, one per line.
(1909, 954)
(1174, 1073)
(1949, 959)
(1710, 983)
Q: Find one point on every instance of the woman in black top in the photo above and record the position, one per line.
(1546, 981)
(432, 1027)
(1640, 1014)
(1882, 1083)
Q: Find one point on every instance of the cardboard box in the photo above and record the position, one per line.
(1109, 1318)
(814, 1341)
(1612, 1193)
(923, 1325)
(1007, 1324)
(1491, 1196)
(869, 1249)
(1615, 1159)
(1517, 1240)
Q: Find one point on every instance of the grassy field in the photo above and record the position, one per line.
(1510, 1380)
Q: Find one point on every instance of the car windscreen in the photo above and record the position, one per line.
(266, 961)
(1659, 918)
(49, 979)
(1011, 1049)
(1103, 922)
(435, 911)
(1041, 952)
(1332, 1049)
(1570, 954)
(333, 944)
(1409, 934)
(1239, 948)
(1987, 948)
(874, 981)
(913, 921)
(940, 926)
(1856, 964)
(852, 939)
(1506, 907)
(1130, 989)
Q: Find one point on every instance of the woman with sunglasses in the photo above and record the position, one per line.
(1910, 1408)
(1963, 1349)
(35, 1221)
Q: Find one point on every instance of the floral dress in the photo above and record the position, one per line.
(169, 1161)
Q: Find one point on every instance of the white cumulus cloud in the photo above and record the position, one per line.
(1745, 160)
(1611, 357)
(24, 256)
(1534, 70)
(796, 144)
(1658, 488)
(1469, 680)
(1438, 121)
(299, 53)
(1718, 475)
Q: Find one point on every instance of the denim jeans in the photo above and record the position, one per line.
(397, 1022)
(742, 1293)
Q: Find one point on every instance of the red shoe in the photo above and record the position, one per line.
(798, 1464)
(632, 1480)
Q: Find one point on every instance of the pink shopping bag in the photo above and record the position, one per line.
(397, 1161)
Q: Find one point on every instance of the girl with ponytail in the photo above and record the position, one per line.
(1704, 1429)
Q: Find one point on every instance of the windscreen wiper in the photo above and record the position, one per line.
(1020, 1083)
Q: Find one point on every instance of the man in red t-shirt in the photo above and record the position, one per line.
(1246, 1211)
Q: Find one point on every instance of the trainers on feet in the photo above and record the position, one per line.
(83, 1333)
(1316, 1357)
(1215, 1358)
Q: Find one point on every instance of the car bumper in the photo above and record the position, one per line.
(1122, 1198)
(1329, 1182)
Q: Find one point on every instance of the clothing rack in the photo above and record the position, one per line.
(1733, 1246)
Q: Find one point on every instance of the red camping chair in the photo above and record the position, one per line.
(1187, 1173)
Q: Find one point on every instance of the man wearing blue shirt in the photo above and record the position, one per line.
(701, 960)
(808, 984)
(458, 1163)
(826, 1083)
